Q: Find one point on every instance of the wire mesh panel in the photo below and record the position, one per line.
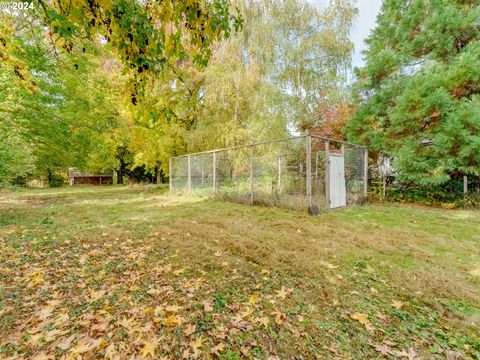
(179, 173)
(355, 174)
(233, 174)
(201, 169)
(292, 173)
(279, 176)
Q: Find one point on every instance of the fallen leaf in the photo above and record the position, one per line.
(110, 352)
(173, 320)
(178, 272)
(53, 334)
(173, 308)
(62, 320)
(43, 356)
(282, 293)
(208, 305)
(397, 304)
(328, 265)
(383, 349)
(247, 313)
(81, 348)
(218, 348)
(148, 349)
(262, 321)
(196, 345)
(245, 350)
(191, 328)
(279, 317)
(35, 339)
(253, 300)
(362, 319)
(380, 316)
(410, 354)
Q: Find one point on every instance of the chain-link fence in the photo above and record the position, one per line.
(291, 173)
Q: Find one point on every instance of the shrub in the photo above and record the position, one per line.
(434, 196)
(55, 180)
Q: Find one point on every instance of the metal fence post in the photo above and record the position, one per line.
(280, 174)
(365, 174)
(214, 170)
(465, 185)
(170, 173)
(189, 180)
(251, 174)
(327, 173)
(309, 169)
(384, 186)
(203, 172)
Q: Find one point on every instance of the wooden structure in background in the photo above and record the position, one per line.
(78, 177)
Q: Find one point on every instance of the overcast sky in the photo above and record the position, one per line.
(368, 11)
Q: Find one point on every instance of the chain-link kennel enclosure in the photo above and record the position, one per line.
(291, 173)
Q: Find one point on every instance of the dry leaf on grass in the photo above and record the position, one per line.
(383, 349)
(283, 292)
(362, 319)
(148, 349)
(208, 305)
(397, 304)
(190, 329)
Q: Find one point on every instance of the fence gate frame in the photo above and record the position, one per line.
(337, 199)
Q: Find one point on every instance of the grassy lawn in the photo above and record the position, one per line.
(133, 272)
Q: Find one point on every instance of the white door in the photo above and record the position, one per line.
(338, 191)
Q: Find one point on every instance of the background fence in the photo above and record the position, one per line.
(292, 173)
(460, 191)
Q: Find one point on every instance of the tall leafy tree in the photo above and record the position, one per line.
(167, 114)
(267, 80)
(312, 54)
(63, 112)
(245, 92)
(67, 108)
(419, 91)
(67, 64)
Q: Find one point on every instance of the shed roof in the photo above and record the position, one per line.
(75, 172)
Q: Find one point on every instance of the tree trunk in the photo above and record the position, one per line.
(119, 176)
(120, 172)
(49, 176)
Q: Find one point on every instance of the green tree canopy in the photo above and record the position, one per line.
(64, 94)
(258, 84)
(123, 84)
(268, 79)
(145, 34)
(66, 112)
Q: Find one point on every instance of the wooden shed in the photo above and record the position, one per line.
(77, 177)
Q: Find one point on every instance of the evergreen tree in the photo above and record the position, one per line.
(419, 92)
